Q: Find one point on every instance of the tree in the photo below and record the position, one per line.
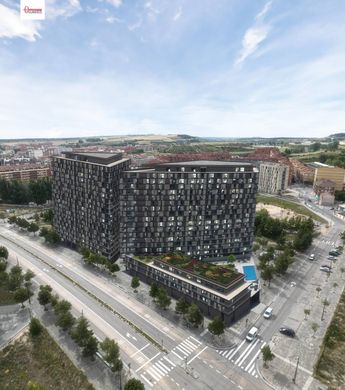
(111, 354)
(27, 282)
(182, 306)
(267, 273)
(45, 295)
(194, 315)
(15, 278)
(154, 290)
(306, 313)
(267, 354)
(231, 259)
(62, 307)
(135, 283)
(314, 327)
(21, 295)
(81, 332)
(65, 320)
(90, 347)
(3, 252)
(163, 299)
(134, 384)
(113, 267)
(216, 327)
(35, 327)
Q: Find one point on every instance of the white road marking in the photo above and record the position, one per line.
(249, 347)
(197, 355)
(141, 349)
(153, 374)
(234, 352)
(186, 354)
(177, 355)
(147, 362)
(255, 356)
(146, 380)
(169, 361)
(195, 340)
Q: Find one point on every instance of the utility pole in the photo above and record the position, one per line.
(294, 377)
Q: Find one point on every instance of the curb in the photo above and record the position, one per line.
(263, 378)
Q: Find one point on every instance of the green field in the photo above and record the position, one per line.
(40, 361)
(287, 204)
(330, 367)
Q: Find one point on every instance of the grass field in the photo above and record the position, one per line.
(286, 204)
(41, 361)
(330, 368)
(6, 297)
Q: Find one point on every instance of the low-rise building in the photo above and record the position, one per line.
(24, 172)
(273, 178)
(324, 171)
(216, 290)
(324, 185)
(301, 172)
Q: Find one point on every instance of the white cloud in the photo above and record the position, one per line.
(115, 3)
(112, 19)
(11, 26)
(178, 14)
(62, 8)
(135, 26)
(254, 35)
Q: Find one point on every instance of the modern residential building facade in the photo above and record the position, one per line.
(230, 301)
(273, 178)
(324, 171)
(202, 208)
(86, 200)
(25, 172)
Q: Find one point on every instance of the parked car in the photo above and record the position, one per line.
(252, 334)
(287, 331)
(331, 258)
(326, 268)
(312, 257)
(334, 253)
(268, 313)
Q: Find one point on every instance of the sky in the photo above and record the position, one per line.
(208, 68)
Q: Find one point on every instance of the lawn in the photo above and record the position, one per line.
(287, 204)
(222, 274)
(330, 368)
(6, 297)
(41, 361)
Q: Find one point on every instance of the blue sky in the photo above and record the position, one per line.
(203, 67)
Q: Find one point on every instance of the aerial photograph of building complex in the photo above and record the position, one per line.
(172, 195)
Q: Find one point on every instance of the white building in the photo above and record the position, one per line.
(273, 178)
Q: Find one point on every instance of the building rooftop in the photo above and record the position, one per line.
(207, 162)
(98, 158)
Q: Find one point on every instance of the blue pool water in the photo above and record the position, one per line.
(249, 272)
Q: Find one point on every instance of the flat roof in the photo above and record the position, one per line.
(207, 162)
(104, 155)
(227, 297)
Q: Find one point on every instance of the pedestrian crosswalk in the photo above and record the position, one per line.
(160, 368)
(244, 355)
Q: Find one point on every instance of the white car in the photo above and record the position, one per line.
(311, 257)
(252, 334)
(268, 313)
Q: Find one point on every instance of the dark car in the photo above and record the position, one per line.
(325, 268)
(287, 331)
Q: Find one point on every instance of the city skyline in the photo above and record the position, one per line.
(224, 69)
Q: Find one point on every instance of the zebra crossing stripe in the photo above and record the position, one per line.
(236, 350)
(153, 374)
(195, 340)
(255, 356)
(159, 365)
(169, 361)
(191, 344)
(250, 350)
(146, 380)
(227, 353)
(157, 370)
(186, 354)
(186, 347)
(181, 358)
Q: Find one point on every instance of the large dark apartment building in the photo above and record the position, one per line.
(202, 208)
(86, 200)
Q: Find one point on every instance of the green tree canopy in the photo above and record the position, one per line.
(35, 327)
(194, 315)
(134, 384)
(182, 306)
(111, 352)
(163, 299)
(216, 327)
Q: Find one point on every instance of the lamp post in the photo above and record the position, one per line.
(295, 374)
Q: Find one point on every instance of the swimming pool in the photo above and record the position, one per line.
(249, 272)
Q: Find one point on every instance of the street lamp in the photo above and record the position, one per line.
(295, 374)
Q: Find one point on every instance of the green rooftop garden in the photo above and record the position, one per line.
(223, 274)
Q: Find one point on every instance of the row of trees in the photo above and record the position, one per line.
(92, 258)
(49, 234)
(15, 281)
(79, 329)
(20, 192)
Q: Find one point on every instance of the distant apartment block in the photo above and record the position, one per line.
(202, 208)
(273, 178)
(86, 200)
(24, 172)
(230, 298)
(301, 172)
(324, 171)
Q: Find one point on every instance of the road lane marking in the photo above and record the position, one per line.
(247, 354)
(191, 344)
(195, 340)
(161, 368)
(234, 352)
(169, 361)
(153, 374)
(181, 358)
(190, 361)
(255, 356)
(186, 354)
(146, 380)
(147, 362)
(163, 365)
(140, 350)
